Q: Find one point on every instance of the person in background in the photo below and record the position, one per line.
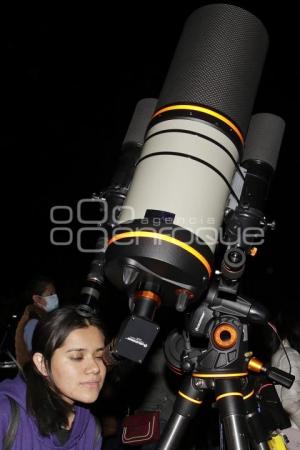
(65, 373)
(288, 326)
(42, 298)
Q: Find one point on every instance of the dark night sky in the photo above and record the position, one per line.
(71, 82)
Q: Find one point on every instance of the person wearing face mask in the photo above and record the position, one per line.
(41, 294)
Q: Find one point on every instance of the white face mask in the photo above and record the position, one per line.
(52, 302)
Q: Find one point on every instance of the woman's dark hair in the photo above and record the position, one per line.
(288, 326)
(44, 401)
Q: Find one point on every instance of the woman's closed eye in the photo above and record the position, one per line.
(76, 358)
(81, 357)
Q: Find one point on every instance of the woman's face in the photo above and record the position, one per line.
(77, 367)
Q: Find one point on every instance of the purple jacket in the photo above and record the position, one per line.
(82, 436)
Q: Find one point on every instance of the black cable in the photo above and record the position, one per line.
(281, 344)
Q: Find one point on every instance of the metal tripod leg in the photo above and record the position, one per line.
(232, 413)
(258, 434)
(186, 405)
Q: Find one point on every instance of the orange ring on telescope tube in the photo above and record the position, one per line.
(164, 237)
(204, 110)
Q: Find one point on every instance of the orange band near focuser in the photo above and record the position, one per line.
(148, 295)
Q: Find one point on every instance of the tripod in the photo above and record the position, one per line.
(222, 367)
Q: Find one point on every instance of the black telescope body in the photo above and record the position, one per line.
(167, 233)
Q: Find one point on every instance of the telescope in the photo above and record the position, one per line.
(194, 175)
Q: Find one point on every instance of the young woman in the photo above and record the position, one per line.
(65, 373)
